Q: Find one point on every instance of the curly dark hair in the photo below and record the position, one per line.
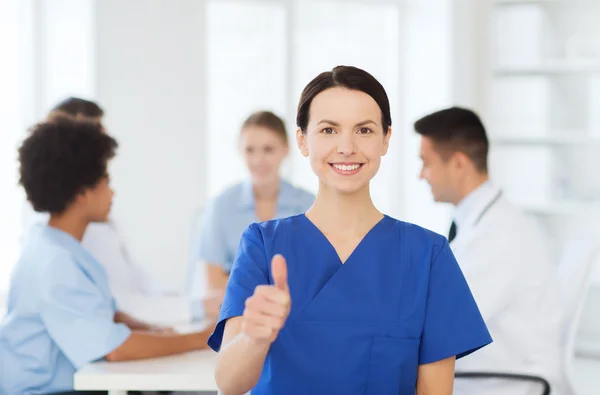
(60, 159)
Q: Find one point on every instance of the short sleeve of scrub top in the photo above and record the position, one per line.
(212, 242)
(77, 316)
(453, 324)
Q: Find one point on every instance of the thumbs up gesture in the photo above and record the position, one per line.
(268, 308)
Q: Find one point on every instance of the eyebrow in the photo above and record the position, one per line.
(363, 123)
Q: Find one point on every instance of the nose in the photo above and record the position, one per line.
(346, 144)
(258, 158)
(422, 174)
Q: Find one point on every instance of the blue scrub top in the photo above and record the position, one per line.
(60, 316)
(362, 327)
(232, 211)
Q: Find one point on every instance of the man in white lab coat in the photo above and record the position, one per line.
(503, 255)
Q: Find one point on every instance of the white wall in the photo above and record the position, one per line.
(428, 81)
(11, 127)
(65, 55)
(150, 78)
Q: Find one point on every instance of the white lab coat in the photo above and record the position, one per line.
(512, 274)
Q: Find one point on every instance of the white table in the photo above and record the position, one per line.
(193, 371)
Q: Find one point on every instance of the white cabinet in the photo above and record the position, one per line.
(540, 95)
(542, 104)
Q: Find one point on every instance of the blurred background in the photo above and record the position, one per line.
(177, 78)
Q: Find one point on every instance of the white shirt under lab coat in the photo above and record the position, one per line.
(512, 274)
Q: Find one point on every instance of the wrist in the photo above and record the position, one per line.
(199, 340)
(258, 344)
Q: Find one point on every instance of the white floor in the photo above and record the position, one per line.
(586, 376)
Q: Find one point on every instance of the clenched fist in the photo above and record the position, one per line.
(268, 308)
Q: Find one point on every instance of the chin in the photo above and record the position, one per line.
(347, 188)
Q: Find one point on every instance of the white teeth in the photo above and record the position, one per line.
(346, 167)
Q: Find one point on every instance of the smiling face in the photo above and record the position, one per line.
(264, 151)
(344, 139)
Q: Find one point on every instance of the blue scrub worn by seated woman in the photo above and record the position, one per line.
(230, 213)
(362, 326)
(60, 316)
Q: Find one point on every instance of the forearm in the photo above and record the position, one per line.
(142, 345)
(132, 323)
(216, 277)
(239, 365)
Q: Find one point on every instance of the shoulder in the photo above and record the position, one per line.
(230, 194)
(415, 233)
(302, 194)
(527, 248)
(52, 262)
(507, 217)
(301, 197)
(268, 232)
(225, 199)
(416, 241)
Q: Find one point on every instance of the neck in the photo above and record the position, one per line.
(343, 213)
(267, 191)
(69, 223)
(470, 184)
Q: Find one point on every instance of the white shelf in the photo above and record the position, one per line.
(517, 2)
(551, 67)
(559, 207)
(544, 2)
(556, 139)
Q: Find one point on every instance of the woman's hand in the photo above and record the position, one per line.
(268, 308)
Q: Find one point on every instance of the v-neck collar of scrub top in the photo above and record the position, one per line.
(332, 247)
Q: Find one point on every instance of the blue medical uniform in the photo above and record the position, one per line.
(232, 211)
(60, 316)
(361, 327)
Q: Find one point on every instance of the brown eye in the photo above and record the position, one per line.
(328, 131)
(365, 131)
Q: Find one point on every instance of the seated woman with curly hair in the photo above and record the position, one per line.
(61, 314)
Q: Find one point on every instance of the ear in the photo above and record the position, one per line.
(301, 140)
(461, 160)
(386, 141)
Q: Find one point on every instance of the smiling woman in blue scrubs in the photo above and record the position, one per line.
(264, 146)
(344, 299)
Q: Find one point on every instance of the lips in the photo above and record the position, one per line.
(346, 169)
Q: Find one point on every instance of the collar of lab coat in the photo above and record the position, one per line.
(469, 210)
